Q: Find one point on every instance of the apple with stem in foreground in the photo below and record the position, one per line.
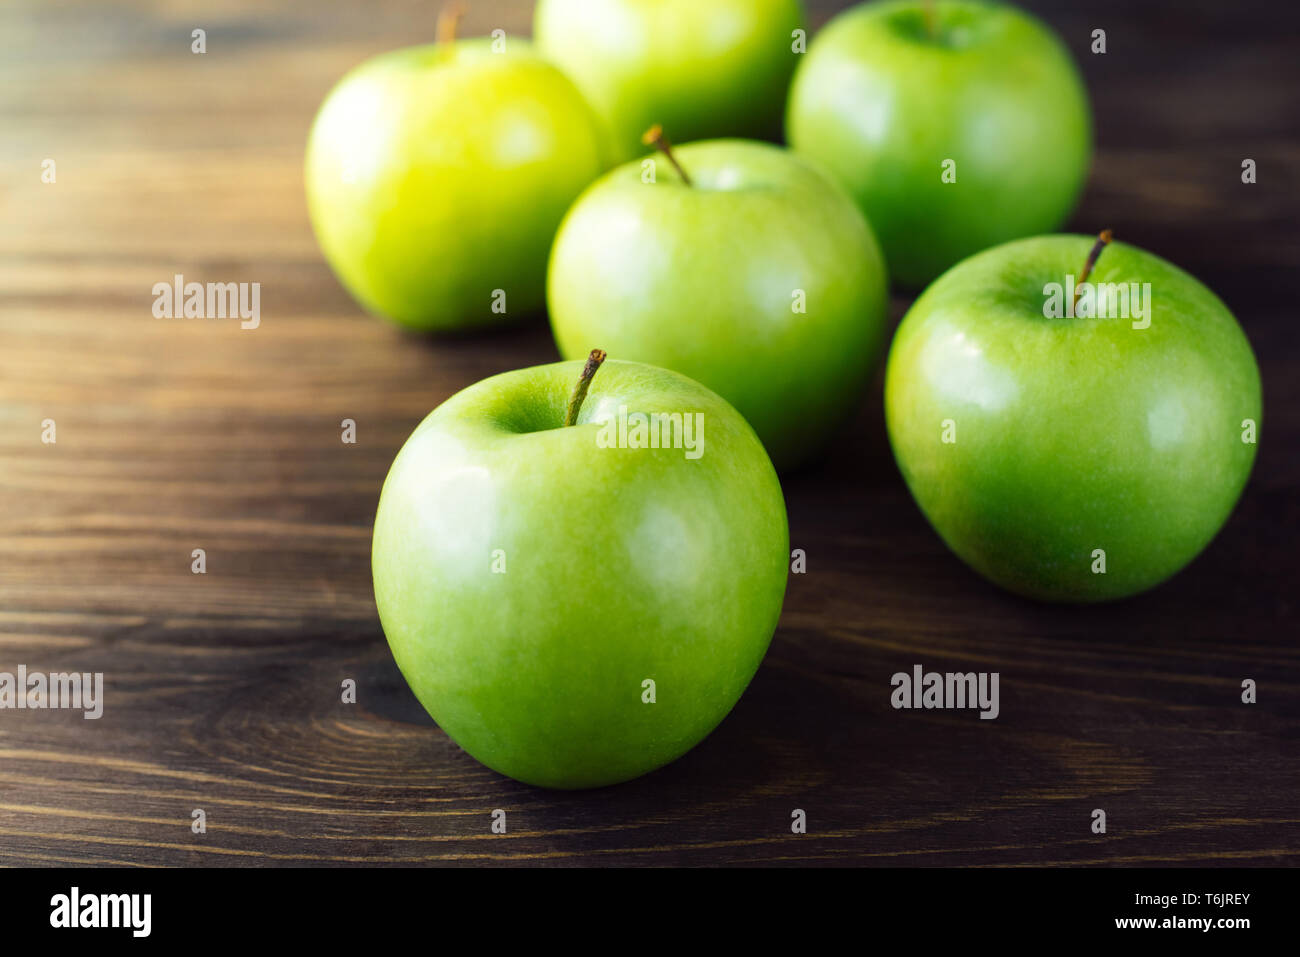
(956, 126)
(1072, 454)
(579, 582)
(737, 264)
(703, 70)
(436, 176)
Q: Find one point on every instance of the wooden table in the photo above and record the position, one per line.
(223, 689)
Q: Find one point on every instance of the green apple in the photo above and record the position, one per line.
(1072, 457)
(436, 176)
(954, 131)
(760, 279)
(577, 605)
(712, 69)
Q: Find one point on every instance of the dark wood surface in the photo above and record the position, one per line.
(223, 689)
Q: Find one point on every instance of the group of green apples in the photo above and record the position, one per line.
(575, 615)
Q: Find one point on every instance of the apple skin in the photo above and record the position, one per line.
(438, 174)
(882, 106)
(1072, 434)
(701, 279)
(621, 565)
(720, 68)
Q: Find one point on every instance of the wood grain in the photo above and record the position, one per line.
(223, 689)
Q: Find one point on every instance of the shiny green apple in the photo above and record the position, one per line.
(436, 176)
(760, 279)
(1072, 456)
(953, 134)
(701, 69)
(577, 605)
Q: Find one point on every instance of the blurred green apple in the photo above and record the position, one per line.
(760, 279)
(954, 131)
(701, 69)
(576, 605)
(1072, 456)
(436, 176)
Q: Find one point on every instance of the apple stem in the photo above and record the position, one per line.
(655, 137)
(1103, 240)
(584, 383)
(931, 20)
(448, 19)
